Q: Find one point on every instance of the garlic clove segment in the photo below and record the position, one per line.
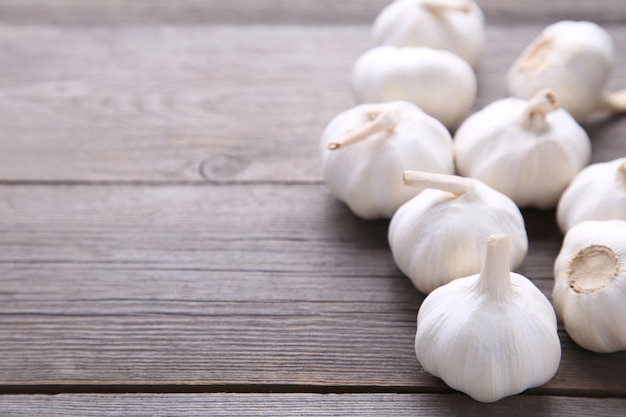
(489, 335)
(366, 149)
(598, 192)
(439, 82)
(529, 150)
(440, 234)
(457, 26)
(589, 292)
(573, 59)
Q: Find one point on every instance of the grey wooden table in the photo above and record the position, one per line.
(167, 243)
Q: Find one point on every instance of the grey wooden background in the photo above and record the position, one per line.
(167, 243)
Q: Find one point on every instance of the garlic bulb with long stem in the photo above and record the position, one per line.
(439, 82)
(457, 26)
(441, 234)
(529, 150)
(598, 192)
(366, 149)
(589, 292)
(573, 59)
(489, 335)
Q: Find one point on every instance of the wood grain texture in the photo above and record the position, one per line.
(302, 405)
(217, 103)
(219, 285)
(164, 226)
(78, 12)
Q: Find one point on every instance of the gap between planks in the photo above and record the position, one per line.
(56, 389)
(152, 183)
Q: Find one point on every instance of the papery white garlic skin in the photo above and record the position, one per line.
(439, 82)
(573, 59)
(598, 192)
(528, 150)
(489, 335)
(439, 236)
(457, 26)
(367, 175)
(589, 292)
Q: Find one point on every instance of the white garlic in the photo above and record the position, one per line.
(598, 192)
(489, 335)
(589, 292)
(457, 26)
(439, 82)
(573, 59)
(384, 139)
(441, 234)
(528, 150)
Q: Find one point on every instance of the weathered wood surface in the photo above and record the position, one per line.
(164, 226)
(223, 285)
(80, 12)
(214, 103)
(302, 405)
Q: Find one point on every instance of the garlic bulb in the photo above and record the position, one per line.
(439, 82)
(489, 335)
(589, 292)
(384, 140)
(457, 26)
(528, 150)
(598, 192)
(441, 234)
(573, 59)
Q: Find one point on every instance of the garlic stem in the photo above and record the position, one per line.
(444, 182)
(440, 6)
(495, 277)
(614, 102)
(539, 107)
(383, 121)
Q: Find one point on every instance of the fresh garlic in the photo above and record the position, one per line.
(384, 139)
(589, 292)
(441, 234)
(598, 192)
(573, 59)
(457, 26)
(528, 150)
(489, 335)
(439, 82)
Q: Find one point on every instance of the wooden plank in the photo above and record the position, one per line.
(303, 405)
(222, 285)
(217, 102)
(210, 103)
(77, 12)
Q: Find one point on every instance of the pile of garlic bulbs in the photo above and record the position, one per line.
(458, 237)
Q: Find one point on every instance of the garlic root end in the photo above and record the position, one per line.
(383, 121)
(536, 56)
(592, 269)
